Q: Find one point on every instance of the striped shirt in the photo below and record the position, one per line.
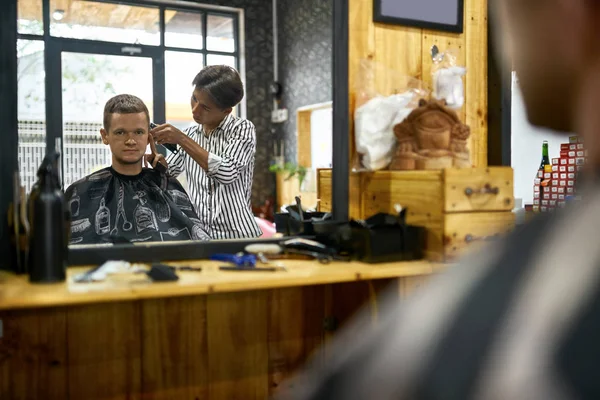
(518, 321)
(222, 194)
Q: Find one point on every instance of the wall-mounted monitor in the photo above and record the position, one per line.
(443, 15)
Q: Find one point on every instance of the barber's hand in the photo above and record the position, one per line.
(155, 157)
(167, 133)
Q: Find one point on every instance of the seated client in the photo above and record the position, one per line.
(125, 202)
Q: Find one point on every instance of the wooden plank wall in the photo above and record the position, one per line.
(407, 52)
(242, 345)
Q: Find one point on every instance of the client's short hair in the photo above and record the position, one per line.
(123, 104)
(222, 83)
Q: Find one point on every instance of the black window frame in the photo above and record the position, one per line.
(55, 45)
(170, 251)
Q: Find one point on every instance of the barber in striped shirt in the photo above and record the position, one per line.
(217, 154)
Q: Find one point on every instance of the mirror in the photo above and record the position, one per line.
(227, 183)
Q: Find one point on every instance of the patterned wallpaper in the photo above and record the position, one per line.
(259, 75)
(305, 44)
(305, 59)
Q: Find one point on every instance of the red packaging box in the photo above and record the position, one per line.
(570, 190)
(536, 188)
(555, 182)
(572, 154)
(555, 168)
(562, 168)
(570, 183)
(554, 196)
(580, 146)
(546, 196)
(555, 161)
(561, 196)
(547, 175)
(537, 181)
(555, 175)
(560, 190)
(554, 189)
(563, 175)
(563, 183)
(564, 161)
(536, 195)
(579, 161)
(565, 146)
(570, 168)
(564, 154)
(536, 202)
(545, 202)
(571, 161)
(571, 175)
(580, 153)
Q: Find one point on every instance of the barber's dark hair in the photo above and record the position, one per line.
(123, 104)
(222, 83)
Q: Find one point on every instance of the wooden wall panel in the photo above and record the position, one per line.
(407, 51)
(237, 343)
(33, 354)
(175, 348)
(476, 85)
(104, 351)
(295, 331)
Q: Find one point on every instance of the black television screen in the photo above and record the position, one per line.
(445, 15)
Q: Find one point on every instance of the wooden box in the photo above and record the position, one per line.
(460, 207)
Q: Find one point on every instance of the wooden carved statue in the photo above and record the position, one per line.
(431, 137)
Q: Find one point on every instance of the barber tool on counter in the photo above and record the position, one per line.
(297, 248)
(381, 238)
(295, 221)
(243, 262)
(48, 221)
(19, 225)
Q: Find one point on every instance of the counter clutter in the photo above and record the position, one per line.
(17, 292)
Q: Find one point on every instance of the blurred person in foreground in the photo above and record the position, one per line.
(520, 320)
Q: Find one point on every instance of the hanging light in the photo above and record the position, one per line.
(58, 15)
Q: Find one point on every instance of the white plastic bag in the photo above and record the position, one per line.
(447, 79)
(374, 128)
(379, 107)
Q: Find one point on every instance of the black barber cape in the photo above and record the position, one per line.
(108, 207)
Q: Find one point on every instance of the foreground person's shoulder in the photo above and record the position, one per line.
(416, 341)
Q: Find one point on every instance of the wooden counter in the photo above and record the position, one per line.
(210, 335)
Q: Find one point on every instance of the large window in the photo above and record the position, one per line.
(73, 55)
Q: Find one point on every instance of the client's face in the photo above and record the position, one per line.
(127, 137)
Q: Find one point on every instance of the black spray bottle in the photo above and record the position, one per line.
(47, 209)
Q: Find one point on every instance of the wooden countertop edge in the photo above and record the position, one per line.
(17, 293)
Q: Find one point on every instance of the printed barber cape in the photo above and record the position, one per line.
(108, 207)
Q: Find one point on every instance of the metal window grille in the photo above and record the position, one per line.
(84, 151)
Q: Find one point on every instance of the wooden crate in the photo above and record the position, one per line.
(461, 208)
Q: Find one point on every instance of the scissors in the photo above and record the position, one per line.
(121, 213)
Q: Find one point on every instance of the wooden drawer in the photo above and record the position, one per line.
(459, 207)
(478, 189)
(424, 192)
(468, 231)
(453, 234)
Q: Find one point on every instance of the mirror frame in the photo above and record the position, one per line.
(156, 252)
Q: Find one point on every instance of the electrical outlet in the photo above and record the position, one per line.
(279, 116)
